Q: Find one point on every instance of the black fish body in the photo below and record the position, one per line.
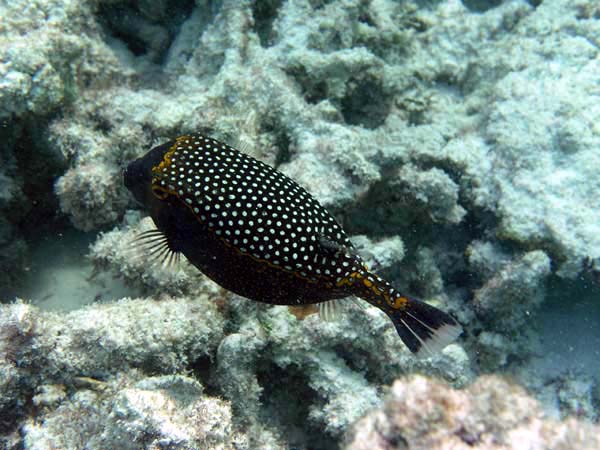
(259, 234)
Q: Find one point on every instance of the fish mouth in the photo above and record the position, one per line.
(137, 176)
(137, 180)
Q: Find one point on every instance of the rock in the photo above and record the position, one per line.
(421, 413)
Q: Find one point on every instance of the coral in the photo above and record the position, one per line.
(565, 393)
(266, 343)
(310, 116)
(88, 349)
(162, 411)
(420, 413)
(318, 366)
(559, 174)
(49, 50)
(91, 195)
(18, 327)
(486, 258)
(518, 284)
(381, 254)
(40, 348)
(117, 250)
(576, 397)
(188, 329)
(507, 303)
(432, 190)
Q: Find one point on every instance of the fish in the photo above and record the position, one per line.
(259, 234)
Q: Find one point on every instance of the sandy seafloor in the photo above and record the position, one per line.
(458, 142)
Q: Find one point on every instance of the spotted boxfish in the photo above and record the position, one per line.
(259, 234)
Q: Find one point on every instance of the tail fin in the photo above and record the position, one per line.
(424, 329)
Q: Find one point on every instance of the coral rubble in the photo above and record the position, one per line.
(490, 414)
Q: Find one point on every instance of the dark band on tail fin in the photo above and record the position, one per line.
(424, 329)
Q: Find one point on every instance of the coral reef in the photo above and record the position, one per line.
(117, 250)
(382, 254)
(101, 341)
(94, 369)
(163, 411)
(490, 414)
(322, 361)
(507, 302)
(457, 141)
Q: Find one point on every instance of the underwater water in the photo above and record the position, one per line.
(447, 151)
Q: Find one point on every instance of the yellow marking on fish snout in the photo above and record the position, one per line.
(159, 191)
(166, 161)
